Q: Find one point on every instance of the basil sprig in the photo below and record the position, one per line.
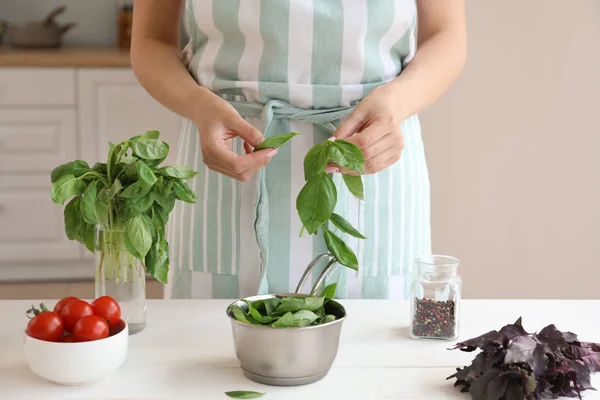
(129, 193)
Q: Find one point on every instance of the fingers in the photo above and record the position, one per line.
(351, 125)
(246, 131)
(218, 157)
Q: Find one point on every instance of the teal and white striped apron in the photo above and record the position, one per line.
(309, 57)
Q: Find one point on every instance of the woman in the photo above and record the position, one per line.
(356, 56)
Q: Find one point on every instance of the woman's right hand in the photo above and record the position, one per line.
(218, 123)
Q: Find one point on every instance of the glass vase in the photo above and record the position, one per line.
(120, 275)
(435, 298)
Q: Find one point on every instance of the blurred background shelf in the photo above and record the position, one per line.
(65, 57)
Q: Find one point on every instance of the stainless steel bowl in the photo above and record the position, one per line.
(288, 356)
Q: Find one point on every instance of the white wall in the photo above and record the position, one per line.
(513, 150)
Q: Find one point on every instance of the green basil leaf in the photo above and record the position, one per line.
(327, 319)
(128, 159)
(150, 225)
(101, 207)
(340, 250)
(88, 201)
(316, 202)
(177, 172)
(271, 305)
(182, 191)
(355, 185)
(316, 160)
(139, 234)
(157, 261)
(72, 217)
(244, 394)
(75, 168)
(275, 142)
(145, 174)
(294, 320)
(242, 316)
(111, 146)
(299, 303)
(154, 163)
(149, 149)
(258, 316)
(159, 223)
(114, 189)
(167, 203)
(100, 168)
(65, 188)
(135, 190)
(345, 226)
(150, 135)
(130, 207)
(131, 248)
(329, 292)
(347, 155)
(87, 234)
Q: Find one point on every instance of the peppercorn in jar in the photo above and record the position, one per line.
(435, 298)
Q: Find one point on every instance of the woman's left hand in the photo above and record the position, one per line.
(373, 126)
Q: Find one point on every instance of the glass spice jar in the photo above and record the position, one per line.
(124, 23)
(435, 298)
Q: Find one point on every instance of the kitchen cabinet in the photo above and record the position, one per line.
(49, 116)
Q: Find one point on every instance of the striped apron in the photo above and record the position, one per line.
(291, 65)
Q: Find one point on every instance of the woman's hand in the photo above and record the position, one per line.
(218, 123)
(374, 126)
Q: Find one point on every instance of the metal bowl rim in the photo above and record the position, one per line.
(295, 329)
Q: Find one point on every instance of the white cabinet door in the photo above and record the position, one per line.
(113, 107)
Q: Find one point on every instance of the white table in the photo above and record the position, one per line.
(186, 352)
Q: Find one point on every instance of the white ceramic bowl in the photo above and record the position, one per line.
(76, 363)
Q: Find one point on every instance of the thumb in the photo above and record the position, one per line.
(351, 125)
(246, 131)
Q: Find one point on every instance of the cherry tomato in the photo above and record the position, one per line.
(74, 311)
(67, 339)
(62, 303)
(46, 326)
(118, 327)
(88, 328)
(107, 308)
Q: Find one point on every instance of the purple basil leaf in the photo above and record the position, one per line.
(521, 351)
(582, 375)
(539, 361)
(570, 337)
(485, 342)
(552, 337)
(480, 385)
(592, 362)
(514, 391)
(513, 331)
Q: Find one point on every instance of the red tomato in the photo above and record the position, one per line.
(67, 339)
(62, 303)
(74, 311)
(107, 308)
(118, 327)
(46, 326)
(88, 328)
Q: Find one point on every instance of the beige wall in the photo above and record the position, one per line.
(514, 152)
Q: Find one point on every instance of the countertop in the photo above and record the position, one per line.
(65, 57)
(186, 352)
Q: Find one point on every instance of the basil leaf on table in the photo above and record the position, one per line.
(145, 174)
(149, 149)
(135, 190)
(138, 232)
(355, 185)
(347, 155)
(76, 168)
(316, 201)
(244, 394)
(177, 172)
(340, 250)
(72, 217)
(182, 191)
(65, 188)
(293, 320)
(316, 160)
(88, 201)
(345, 226)
(276, 141)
